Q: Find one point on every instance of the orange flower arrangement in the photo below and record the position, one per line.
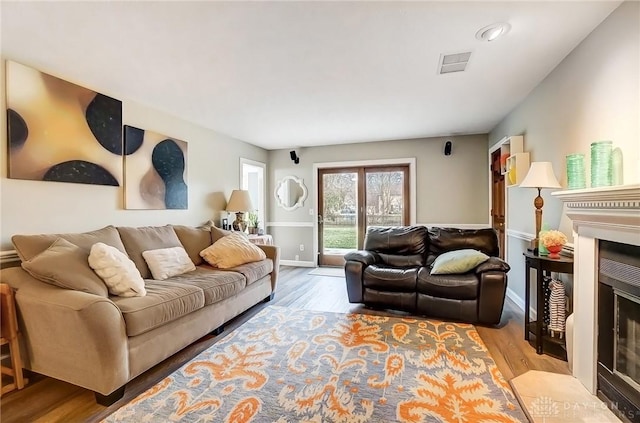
(553, 241)
(551, 238)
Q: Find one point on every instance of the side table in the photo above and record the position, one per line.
(261, 239)
(543, 266)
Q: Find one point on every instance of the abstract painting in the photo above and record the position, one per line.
(59, 131)
(155, 170)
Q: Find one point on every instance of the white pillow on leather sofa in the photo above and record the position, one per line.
(117, 271)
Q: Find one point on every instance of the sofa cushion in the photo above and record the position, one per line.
(165, 302)
(460, 287)
(28, 246)
(167, 262)
(398, 245)
(231, 251)
(442, 240)
(66, 265)
(217, 233)
(390, 278)
(256, 270)
(194, 240)
(458, 261)
(137, 240)
(117, 271)
(216, 284)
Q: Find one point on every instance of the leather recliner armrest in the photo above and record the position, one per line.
(363, 256)
(494, 264)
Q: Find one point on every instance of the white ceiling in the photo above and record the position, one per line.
(293, 74)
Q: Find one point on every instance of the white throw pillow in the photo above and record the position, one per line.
(167, 262)
(117, 271)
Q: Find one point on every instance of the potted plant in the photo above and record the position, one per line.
(253, 222)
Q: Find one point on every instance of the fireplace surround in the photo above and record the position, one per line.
(599, 215)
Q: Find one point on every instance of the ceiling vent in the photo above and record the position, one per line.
(450, 63)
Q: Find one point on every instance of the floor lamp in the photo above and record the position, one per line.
(540, 176)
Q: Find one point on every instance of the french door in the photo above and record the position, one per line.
(354, 198)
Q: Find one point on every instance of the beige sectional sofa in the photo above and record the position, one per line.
(99, 341)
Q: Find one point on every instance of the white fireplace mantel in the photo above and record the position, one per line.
(607, 213)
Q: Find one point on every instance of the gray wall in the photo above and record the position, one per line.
(450, 189)
(593, 94)
(213, 172)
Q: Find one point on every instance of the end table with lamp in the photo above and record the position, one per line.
(543, 265)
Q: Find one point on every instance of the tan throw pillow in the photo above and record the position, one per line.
(231, 251)
(117, 271)
(167, 262)
(65, 265)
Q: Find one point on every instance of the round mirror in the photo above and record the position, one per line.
(290, 193)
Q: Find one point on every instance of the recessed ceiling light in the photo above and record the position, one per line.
(492, 32)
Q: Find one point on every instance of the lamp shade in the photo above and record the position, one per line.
(239, 201)
(540, 175)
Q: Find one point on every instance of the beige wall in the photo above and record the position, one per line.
(593, 94)
(213, 172)
(450, 189)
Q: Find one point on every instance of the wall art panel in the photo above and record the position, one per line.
(59, 131)
(155, 170)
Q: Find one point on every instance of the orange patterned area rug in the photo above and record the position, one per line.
(287, 365)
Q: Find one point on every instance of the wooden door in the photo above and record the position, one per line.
(497, 200)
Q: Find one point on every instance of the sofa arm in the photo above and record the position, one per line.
(493, 288)
(273, 253)
(70, 335)
(493, 264)
(363, 256)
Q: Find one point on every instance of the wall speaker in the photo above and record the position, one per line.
(447, 148)
(294, 156)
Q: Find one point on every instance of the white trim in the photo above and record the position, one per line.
(297, 263)
(519, 302)
(525, 236)
(290, 224)
(515, 298)
(8, 256)
(411, 161)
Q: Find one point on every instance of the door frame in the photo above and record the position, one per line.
(493, 148)
(410, 161)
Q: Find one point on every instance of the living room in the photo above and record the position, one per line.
(591, 95)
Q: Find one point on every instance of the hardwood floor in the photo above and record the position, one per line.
(50, 400)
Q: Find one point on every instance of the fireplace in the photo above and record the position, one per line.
(619, 328)
(599, 215)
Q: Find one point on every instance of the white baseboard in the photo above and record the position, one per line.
(520, 303)
(297, 263)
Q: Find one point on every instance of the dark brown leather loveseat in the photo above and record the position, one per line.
(394, 271)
